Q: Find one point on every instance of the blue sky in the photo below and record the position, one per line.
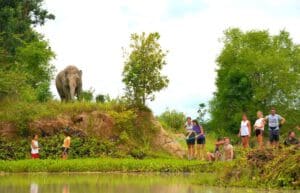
(90, 34)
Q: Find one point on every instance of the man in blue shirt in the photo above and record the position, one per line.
(275, 122)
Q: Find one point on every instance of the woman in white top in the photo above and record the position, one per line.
(35, 147)
(245, 131)
(259, 127)
(190, 138)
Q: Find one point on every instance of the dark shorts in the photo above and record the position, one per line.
(274, 135)
(191, 140)
(258, 132)
(201, 140)
(65, 150)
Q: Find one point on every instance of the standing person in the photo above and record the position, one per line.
(275, 122)
(200, 138)
(190, 138)
(245, 131)
(66, 146)
(259, 127)
(228, 150)
(35, 147)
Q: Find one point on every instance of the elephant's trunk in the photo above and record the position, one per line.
(72, 89)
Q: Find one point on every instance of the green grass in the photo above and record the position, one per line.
(17, 111)
(105, 165)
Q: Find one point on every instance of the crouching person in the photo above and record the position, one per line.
(225, 154)
(216, 155)
(228, 149)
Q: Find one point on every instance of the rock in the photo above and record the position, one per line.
(168, 143)
(8, 130)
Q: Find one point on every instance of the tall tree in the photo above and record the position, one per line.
(142, 71)
(256, 70)
(24, 54)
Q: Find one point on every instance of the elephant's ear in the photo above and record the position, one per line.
(80, 72)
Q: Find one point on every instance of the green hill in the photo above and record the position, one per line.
(97, 129)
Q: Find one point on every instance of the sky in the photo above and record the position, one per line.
(90, 34)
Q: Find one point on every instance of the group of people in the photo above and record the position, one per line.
(35, 148)
(195, 135)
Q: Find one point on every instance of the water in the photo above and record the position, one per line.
(111, 183)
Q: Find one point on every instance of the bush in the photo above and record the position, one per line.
(100, 98)
(172, 119)
(87, 95)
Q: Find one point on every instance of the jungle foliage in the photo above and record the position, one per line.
(25, 68)
(256, 71)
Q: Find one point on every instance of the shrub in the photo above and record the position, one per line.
(172, 119)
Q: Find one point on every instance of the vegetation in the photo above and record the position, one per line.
(103, 165)
(87, 95)
(202, 111)
(255, 70)
(25, 69)
(141, 73)
(126, 125)
(173, 120)
(256, 168)
(82, 147)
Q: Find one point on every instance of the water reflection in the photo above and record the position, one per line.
(112, 183)
(66, 189)
(34, 188)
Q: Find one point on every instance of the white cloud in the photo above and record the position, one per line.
(90, 34)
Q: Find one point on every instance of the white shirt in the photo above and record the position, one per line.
(259, 124)
(35, 150)
(244, 128)
(188, 127)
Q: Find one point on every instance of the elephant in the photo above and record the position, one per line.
(69, 83)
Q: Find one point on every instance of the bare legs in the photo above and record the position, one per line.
(191, 151)
(201, 151)
(245, 141)
(260, 141)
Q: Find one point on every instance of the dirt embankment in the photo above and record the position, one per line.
(90, 124)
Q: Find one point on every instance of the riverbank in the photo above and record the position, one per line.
(257, 169)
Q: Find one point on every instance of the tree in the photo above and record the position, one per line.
(87, 95)
(255, 71)
(202, 110)
(23, 52)
(100, 98)
(142, 71)
(172, 119)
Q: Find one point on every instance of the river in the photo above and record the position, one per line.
(113, 183)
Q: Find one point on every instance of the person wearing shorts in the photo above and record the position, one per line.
(200, 139)
(259, 129)
(66, 146)
(35, 147)
(216, 155)
(190, 138)
(275, 122)
(245, 131)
